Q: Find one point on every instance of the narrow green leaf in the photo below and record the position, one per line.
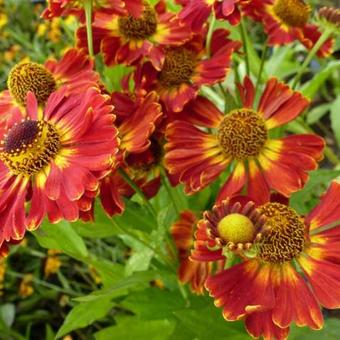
(85, 314)
(120, 288)
(132, 328)
(317, 113)
(335, 119)
(330, 331)
(61, 236)
(109, 272)
(311, 87)
(7, 313)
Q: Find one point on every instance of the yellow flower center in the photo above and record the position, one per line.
(236, 228)
(284, 233)
(132, 28)
(293, 13)
(29, 146)
(242, 134)
(178, 67)
(30, 77)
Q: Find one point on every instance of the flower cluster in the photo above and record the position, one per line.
(66, 139)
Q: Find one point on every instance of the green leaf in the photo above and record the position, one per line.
(335, 119)
(140, 258)
(85, 314)
(120, 288)
(113, 76)
(7, 313)
(62, 237)
(317, 113)
(330, 331)
(101, 228)
(131, 329)
(135, 217)
(207, 321)
(311, 87)
(304, 200)
(154, 303)
(109, 272)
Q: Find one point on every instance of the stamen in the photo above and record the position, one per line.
(29, 147)
(283, 234)
(293, 13)
(30, 77)
(242, 134)
(141, 28)
(178, 67)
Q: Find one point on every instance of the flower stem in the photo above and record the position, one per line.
(263, 59)
(209, 35)
(136, 188)
(245, 45)
(88, 18)
(324, 36)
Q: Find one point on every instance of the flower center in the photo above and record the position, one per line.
(30, 77)
(293, 13)
(178, 67)
(29, 146)
(284, 233)
(138, 28)
(236, 228)
(242, 134)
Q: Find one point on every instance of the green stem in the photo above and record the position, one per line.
(136, 188)
(245, 45)
(324, 36)
(332, 157)
(88, 18)
(209, 35)
(263, 59)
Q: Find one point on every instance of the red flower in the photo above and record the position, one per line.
(287, 20)
(57, 8)
(196, 12)
(136, 121)
(127, 39)
(187, 68)
(53, 159)
(268, 287)
(189, 271)
(75, 70)
(240, 141)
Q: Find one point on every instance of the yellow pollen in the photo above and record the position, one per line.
(141, 28)
(242, 134)
(178, 67)
(29, 147)
(236, 228)
(293, 13)
(283, 237)
(30, 77)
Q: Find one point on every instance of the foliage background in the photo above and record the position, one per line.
(102, 283)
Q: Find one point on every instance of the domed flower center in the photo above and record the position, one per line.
(30, 77)
(29, 146)
(141, 28)
(178, 67)
(242, 134)
(236, 228)
(293, 13)
(284, 233)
